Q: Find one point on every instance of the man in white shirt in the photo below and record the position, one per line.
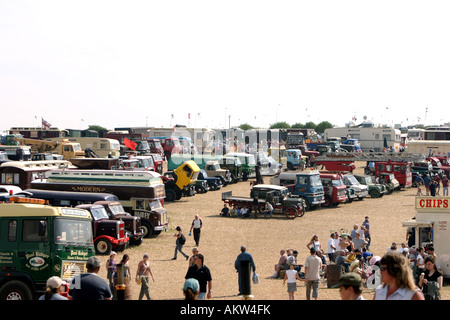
(331, 247)
(313, 265)
(197, 227)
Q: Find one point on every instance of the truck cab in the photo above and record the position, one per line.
(376, 190)
(248, 163)
(155, 146)
(361, 191)
(38, 241)
(334, 189)
(133, 229)
(213, 169)
(181, 181)
(214, 183)
(234, 165)
(295, 159)
(158, 161)
(108, 234)
(400, 169)
(305, 184)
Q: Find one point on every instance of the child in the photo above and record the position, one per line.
(291, 276)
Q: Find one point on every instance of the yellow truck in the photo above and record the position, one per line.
(181, 181)
(64, 147)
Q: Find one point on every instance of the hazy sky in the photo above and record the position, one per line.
(137, 63)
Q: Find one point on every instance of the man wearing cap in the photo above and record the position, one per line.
(313, 266)
(90, 286)
(350, 287)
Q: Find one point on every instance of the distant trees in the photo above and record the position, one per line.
(319, 128)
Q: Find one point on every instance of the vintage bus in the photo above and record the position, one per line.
(141, 193)
(21, 173)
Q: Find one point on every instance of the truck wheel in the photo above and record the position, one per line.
(291, 212)
(147, 229)
(170, 195)
(15, 290)
(328, 202)
(103, 246)
(300, 212)
(244, 177)
(374, 194)
(200, 189)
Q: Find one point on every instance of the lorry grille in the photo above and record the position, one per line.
(72, 268)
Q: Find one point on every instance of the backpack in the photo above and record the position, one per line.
(182, 239)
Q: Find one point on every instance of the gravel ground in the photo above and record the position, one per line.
(222, 238)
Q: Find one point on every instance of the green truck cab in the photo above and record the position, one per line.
(376, 190)
(38, 241)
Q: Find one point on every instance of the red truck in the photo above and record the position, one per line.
(155, 146)
(171, 145)
(334, 188)
(400, 169)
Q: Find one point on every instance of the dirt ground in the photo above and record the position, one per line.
(222, 237)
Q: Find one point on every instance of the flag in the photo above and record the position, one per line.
(130, 144)
(45, 124)
(189, 115)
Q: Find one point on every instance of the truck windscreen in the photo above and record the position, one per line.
(68, 231)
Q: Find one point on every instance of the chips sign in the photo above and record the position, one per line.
(433, 203)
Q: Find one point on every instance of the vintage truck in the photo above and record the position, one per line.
(400, 169)
(133, 229)
(334, 188)
(214, 183)
(127, 186)
(213, 169)
(376, 190)
(361, 190)
(108, 234)
(280, 197)
(248, 163)
(305, 184)
(180, 182)
(38, 241)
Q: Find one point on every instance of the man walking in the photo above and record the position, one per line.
(313, 265)
(203, 275)
(197, 224)
(243, 256)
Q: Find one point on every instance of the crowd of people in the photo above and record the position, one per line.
(403, 272)
(432, 185)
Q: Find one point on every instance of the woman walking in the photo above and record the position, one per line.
(142, 273)
(179, 244)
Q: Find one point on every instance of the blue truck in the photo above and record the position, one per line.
(305, 184)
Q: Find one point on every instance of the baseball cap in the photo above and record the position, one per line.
(349, 279)
(192, 284)
(54, 282)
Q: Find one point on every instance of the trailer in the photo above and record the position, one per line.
(431, 227)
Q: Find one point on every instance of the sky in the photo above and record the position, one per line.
(152, 63)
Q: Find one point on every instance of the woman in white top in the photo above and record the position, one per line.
(314, 243)
(291, 276)
(397, 279)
